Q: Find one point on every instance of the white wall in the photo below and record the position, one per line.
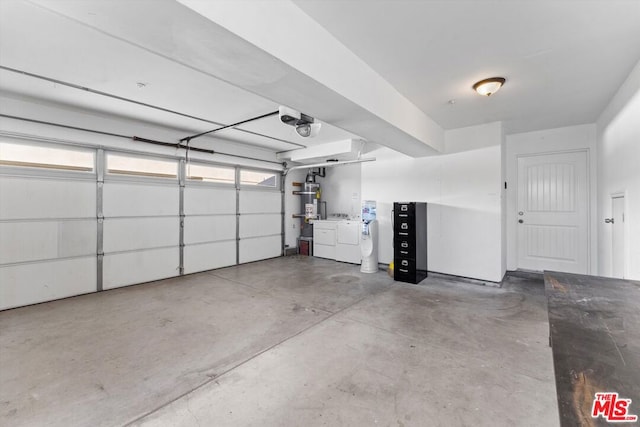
(341, 189)
(582, 137)
(463, 189)
(618, 142)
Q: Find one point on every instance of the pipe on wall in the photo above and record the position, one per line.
(327, 164)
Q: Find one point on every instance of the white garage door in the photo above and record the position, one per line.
(260, 209)
(76, 220)
(210, 217)
(141, 199)
(47, 222)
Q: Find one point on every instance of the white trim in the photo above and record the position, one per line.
(626, 248)
(551, 141)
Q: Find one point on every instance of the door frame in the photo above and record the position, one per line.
(512, 197)
(609, 234)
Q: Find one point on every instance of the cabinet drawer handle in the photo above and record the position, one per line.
(403, 234)
(403, 215)
(403, 271)
(404, 244)
(404, 252)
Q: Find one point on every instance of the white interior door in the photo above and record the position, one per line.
(617, 253)
(553, 212)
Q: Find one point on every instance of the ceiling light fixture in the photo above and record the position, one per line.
(488, 87)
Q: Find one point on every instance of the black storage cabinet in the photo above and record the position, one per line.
(410, 241)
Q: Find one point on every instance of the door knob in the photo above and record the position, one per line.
(520, 221)
(608, 220)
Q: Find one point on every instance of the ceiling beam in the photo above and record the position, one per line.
(323, 69)
(310, 71)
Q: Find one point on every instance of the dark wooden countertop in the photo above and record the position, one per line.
(594, 332)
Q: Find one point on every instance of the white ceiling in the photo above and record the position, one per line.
(45, 43)
(563, 60)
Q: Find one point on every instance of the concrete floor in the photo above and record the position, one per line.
(285, 342)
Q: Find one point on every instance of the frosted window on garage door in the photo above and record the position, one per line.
(210, 173)
(118, 164)
(42, 156)
(259, 178)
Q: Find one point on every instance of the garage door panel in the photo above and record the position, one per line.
(209, 256)
(209, 200)
(140, 199)
(260, 225)
(45, 281)
(124, 234)
(200, 229)
(138, 267)
(46, 198)
(260, 248)
(260, 201)
(46, 240)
